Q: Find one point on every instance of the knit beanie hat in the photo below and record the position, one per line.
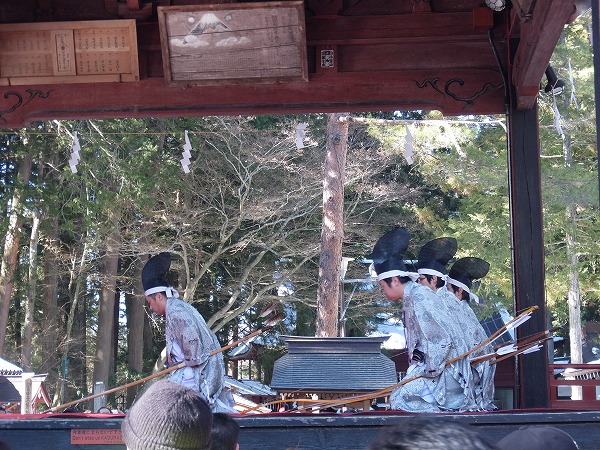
(168, 416)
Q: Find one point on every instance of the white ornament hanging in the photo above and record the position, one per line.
(185, 161)
(300, 135)
(75, 151)
(557, 117)
(573, 98)
(408, 146)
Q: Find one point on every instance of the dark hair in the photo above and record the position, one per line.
(465, 295)
(4, 446)
(225, 432)
(402, 280)
(430, 432)
(438, 284)
(154, 294)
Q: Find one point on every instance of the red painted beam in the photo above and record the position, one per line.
(356, 29)
(457, 93)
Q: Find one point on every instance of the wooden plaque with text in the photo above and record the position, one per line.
(68, 52)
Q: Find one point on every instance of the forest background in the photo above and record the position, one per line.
(244, 225)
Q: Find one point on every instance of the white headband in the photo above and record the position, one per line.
(464, 287)
(426, 271)
(459, 284)
(397, 273)
(168, 290)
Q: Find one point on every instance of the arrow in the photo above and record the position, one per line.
(531, 348)
(512, 348)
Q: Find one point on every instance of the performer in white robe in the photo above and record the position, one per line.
(439, 387)
(188, 338)
(460, 281)
(431, 267)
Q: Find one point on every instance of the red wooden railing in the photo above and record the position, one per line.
(585, 375)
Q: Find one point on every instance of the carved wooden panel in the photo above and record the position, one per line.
(234, 43)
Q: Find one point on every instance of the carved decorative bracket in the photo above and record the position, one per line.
(447, 89)
(17, 100)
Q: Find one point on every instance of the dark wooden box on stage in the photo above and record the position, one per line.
(233, 43)
(68, 52)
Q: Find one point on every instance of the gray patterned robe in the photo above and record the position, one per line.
(475, 335)
(431, 329)
(189, 338)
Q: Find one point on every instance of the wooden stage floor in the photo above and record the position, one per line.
(287, 431)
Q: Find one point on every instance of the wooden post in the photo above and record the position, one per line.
(100, 401)
(528, 249)
(332, 233)
(26, 395)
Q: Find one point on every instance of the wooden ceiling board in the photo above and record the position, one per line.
(361, 55)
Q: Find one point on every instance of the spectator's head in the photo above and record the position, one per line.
(225, 432)
(537, 438)
(168, 416)
(430, 432)
(4, 446)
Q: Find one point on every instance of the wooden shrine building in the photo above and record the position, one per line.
(332, 368)
(72, 59)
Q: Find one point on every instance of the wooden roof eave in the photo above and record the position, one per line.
(539, 32)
